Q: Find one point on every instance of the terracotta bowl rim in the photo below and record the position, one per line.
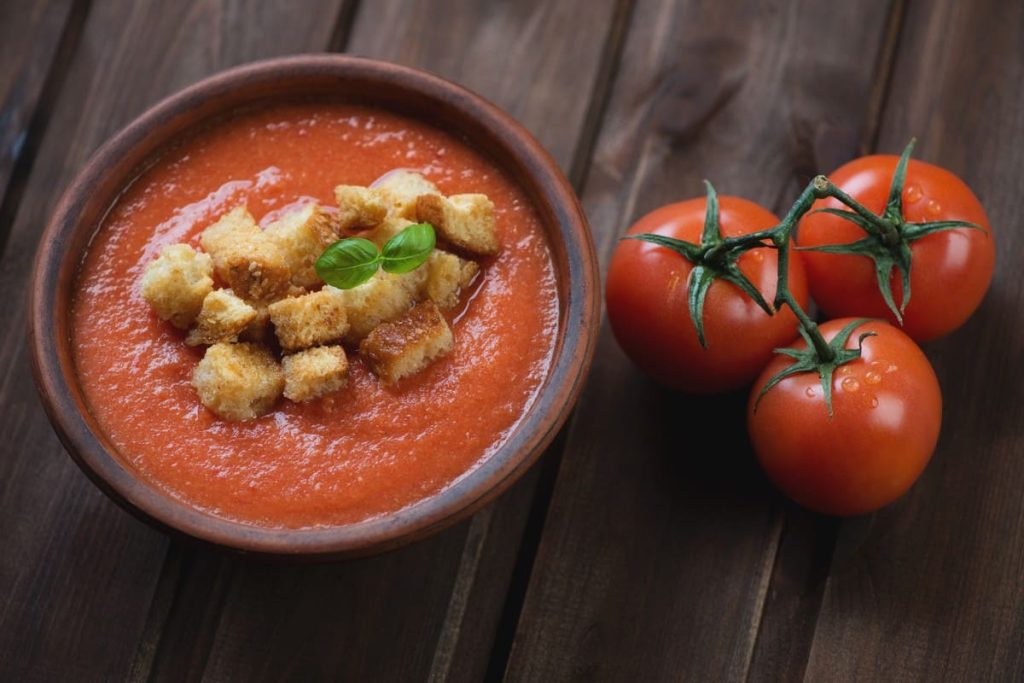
(536, 171)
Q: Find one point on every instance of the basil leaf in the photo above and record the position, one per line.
(348, 262)
(408, 249)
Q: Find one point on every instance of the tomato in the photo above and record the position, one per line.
(646, 297)
(950, 270)
(887, 409)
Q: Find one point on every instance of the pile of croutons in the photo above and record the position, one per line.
(274, 328)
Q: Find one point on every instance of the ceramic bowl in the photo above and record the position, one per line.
(341, 78)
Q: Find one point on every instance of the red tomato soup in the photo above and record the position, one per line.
(359, 453)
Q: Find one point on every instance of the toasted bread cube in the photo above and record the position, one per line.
(465, 220)
(314, 373)
(359, 207)
(258, 329)
(302, 236)
(260, 274)
(176, 283)
(246, 258)
(447, 276)
(407, 345)
(401, 188)
(387, 229)
(234, 227)
(309, 320)
(383, 297)
(238, 382)
(221, 319)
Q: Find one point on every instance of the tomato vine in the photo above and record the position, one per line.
(887, 244)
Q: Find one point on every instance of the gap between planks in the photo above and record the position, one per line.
(479, 528)
(884, 67)
(501, 649)
(25, 151)
(878, 98)
(175, 566)
(149, 649)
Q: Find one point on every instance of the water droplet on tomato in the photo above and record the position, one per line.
(872, 378)
(873, 402)
(756, 256)
(810, 392)
(891, 368)
(933, 209)
(850, 384)
(912, 194)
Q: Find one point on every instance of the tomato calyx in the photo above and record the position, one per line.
(889, 235)
(715, 258)
(809, 360)
(887, 244)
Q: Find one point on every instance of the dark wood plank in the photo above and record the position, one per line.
(931, 588)
(515, 54)
(31, 63)
(790, 613)
(808, 541)
(662, 537)
(77, 574)
(430, 610)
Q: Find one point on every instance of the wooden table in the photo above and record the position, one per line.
(640, 548)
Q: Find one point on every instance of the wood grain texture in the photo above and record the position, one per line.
(808, 541)
(662, 537)
(659, 560)
(932, 588)
(429, 611)
(31, 37)
(77, 574)
(790, 612)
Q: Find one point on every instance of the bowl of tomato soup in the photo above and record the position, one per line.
(373, 465)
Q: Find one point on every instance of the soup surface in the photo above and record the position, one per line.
(360, 453)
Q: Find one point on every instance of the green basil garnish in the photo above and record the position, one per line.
(352, 261)
(408, 249)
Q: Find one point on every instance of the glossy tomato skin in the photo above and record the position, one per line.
(950, 270)
(646, 297)
(887, 410)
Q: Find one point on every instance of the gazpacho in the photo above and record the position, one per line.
(230, 375)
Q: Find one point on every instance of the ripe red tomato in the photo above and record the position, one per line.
(646, 296)
(887, 409)
(950, 270)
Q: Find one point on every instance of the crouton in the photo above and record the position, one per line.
(400, 190)
(387, 229)
(310, 319)
(235, 226)
(176, 283)
(447, 276)
(465, 220)
(221, 319)
(245, 258)
(258, 329)
(383, 297)
(359, 207)
(238, 382)
(301, 236)
(260, 274)
(314, 373)
(407, 345)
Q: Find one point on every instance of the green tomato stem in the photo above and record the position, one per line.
(716, 256)
(781, 237)
(886, 229)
